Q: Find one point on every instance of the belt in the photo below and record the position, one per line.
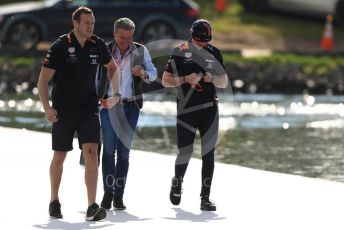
(126, 101)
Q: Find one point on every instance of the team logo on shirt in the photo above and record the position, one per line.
(72, 58)
(46, 60)
(188, 54)
(94, 58)
(71, 50)
(210, 63)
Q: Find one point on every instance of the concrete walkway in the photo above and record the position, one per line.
(245, 198)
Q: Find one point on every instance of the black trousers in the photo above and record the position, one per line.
(206, 120)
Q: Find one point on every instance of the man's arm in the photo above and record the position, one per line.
(44, 77)
(168, 80)
(149, 66)
(113, 75)
(219, 81)
(220, 77)
(148, 73)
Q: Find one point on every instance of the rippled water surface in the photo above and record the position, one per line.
(297, 134)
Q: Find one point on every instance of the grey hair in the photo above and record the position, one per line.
(125, 24)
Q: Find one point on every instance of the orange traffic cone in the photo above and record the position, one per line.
(220, 5)
(327, 41)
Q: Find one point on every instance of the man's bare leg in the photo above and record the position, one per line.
(91, 170)
(56, 170)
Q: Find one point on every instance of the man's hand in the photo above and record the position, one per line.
(208, 77)
(51, 114)
(193, 78)
(138, 71)
(110, 102)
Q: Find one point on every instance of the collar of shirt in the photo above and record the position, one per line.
(132, 48)
(76, 42)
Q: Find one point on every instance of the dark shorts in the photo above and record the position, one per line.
(87, 128)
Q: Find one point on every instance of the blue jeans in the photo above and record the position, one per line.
(118, 128)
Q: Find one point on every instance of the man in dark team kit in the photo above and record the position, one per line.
(196, 68)
(72, 63)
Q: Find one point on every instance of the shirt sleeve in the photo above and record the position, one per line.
(148, 65)
(171, 66)
(53, 57)
(219, 66)
(106, 55)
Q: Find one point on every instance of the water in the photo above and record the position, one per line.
(296, 134)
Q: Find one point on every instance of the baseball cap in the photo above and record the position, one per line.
(201, 30)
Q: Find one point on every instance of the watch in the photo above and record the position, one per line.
(145, 76)
(117, 95)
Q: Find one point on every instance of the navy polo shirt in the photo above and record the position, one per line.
(74, 89)
(187, 59)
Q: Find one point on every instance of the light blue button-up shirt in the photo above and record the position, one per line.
(125, 65)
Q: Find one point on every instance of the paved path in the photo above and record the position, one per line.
(246, 198)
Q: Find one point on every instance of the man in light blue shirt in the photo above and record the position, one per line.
(119, 122)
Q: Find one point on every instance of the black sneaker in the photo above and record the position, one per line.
(176, 191)
(107, 199)
(94, 213)
(118, 204)
(207, 205)
(55, 210)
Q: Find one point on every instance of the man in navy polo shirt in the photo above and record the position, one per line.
(196, 69)
(72, 63)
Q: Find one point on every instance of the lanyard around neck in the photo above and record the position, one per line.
(119, 63)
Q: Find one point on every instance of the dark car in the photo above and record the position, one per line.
(26, 24)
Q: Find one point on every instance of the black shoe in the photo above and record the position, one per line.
(118, 204)
(94, 213)
(207, 205)
(55, 210)
(176, 191)
(107, 199)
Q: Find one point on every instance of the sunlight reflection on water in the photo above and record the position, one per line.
(297, 134)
